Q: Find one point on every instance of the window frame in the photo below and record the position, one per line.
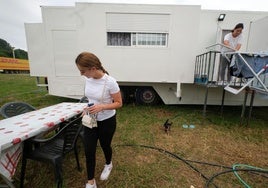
(142, 39)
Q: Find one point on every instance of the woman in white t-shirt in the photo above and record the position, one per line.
(234, 41)
(103, 91)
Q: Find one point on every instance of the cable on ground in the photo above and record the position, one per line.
(209, 180)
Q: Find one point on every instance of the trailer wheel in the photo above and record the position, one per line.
(146, 95)
(125, 94)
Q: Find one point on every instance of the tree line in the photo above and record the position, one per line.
(6, 50)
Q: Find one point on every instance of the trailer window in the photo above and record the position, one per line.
(136, 39)
(118, 39)
(149, 39)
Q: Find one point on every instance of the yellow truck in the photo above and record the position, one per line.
(13, 65)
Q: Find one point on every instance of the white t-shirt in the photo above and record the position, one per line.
(233, 41)
(97, 93)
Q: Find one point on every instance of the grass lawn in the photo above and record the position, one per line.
(146, 156)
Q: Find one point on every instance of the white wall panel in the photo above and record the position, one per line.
(64, 49)
(40, 65)
(258, 40)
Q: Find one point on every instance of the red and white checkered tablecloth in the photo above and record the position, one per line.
(14, 130)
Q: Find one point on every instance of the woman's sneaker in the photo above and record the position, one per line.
(106, 171)
(88, 185)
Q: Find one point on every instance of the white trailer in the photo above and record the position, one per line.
(149, 49)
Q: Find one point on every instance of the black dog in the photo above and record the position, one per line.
(167, 126)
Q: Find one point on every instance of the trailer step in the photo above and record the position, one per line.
(233, 90)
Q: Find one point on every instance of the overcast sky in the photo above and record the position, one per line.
(14, 13)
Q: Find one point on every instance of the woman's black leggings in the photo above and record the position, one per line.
(104, 133)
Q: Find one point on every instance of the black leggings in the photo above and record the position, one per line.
(104, 133)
